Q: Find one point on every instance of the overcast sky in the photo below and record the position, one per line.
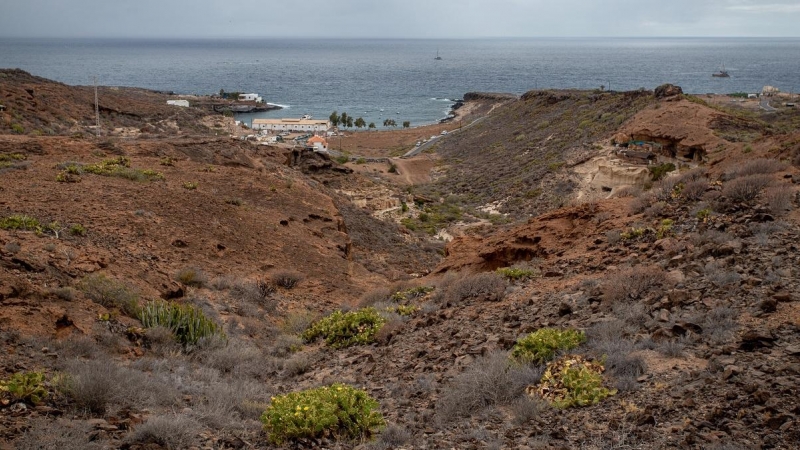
(397, 19)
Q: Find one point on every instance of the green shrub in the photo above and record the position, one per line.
(343, 159)
(665, 229)
(121, 167)
(542, 345)
(516, 273)
(574, 381)
(403, 310)
(336, 411)
(110, 293)
(25, 387)
(17, 128)
(190, 185)
(77, 230)
(342, 330)
(410, 294)
(188, 323)
(660, 171)
(20, 222)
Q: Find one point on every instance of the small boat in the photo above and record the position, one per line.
(306, 117)
(722, 73)
(438, 58)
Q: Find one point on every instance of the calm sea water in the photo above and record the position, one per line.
(399, 79)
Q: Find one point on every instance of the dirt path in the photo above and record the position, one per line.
(415, 170)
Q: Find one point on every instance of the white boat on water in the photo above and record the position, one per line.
(306, 117)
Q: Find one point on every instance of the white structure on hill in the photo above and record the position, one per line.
(769, 91)
(319, 144)
(183, 103)
(291, 125)
(250, 98)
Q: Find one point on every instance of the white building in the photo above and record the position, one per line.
(299, 125)
(182, 103)
(250, 98)
(319, 144)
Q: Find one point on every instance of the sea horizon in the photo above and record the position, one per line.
(363, 76)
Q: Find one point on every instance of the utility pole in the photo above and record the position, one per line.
(96, 110)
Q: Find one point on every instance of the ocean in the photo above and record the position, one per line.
(400, 79)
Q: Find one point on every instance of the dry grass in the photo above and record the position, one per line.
(491, 380)
(780, 199)
(192, 276)
(526, 408)
(758, 166)
(173, 431)
(94, 386)
(745, 189)
(488, 286)
(694, 190)
(720, 324)
(632, 284)
(60, 434)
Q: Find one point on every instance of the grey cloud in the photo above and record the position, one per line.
(408, 18)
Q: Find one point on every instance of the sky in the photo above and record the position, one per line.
(397, 19)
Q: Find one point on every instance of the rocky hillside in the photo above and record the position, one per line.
(199, 292)
(38, 106)
(511, 160)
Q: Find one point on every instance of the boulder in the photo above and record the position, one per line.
(668, 90)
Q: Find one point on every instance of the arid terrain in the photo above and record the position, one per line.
(660, 228)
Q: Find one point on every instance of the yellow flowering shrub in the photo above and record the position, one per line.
(336, 411)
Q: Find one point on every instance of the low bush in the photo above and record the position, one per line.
(188, 323)
(494, 379)
(720, 324)
(110, 293)
(286, 279)
(121, 167)
(340, 330)
(393, 436)
(542, 345)
(527, 408)
(632, 284)
(411, 294)
(573, 381)
(298, 321)
(257, 292)
(28, 387)
(694, 190)
(660, 171)
(779, 199)
(745, 189)
(758, 166)
(336, 411)
(77, 230)
(95, 386)
(45, 433)
(671, 348)
(483, 286)
(192, 276)
(173, 431)
(516, 273)
(20, 222)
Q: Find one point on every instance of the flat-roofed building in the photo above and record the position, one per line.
(309, 125)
